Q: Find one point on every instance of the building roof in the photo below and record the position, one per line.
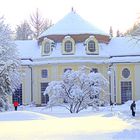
(28, 48)
(124, 59)
(125, 46)
(120, 49)
(118, 46)
(72, 23)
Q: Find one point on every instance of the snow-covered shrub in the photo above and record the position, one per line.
(9, 64)
(78, 90)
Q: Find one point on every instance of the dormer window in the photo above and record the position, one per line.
(47, 45)
(91, 45)
(47, 48)
(68, 45)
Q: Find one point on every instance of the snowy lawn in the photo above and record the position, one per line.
(39, 123)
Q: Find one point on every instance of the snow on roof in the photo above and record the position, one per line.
(124, 59)
(79, 56)
(26, 62)
(28, 48)
(68, 61)
(122, 49)
(123, 46)
(72, 23)
(80, 51)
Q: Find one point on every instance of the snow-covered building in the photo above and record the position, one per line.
(70, 44)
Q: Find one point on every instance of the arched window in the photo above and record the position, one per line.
(47, 48)
(91, 46)
(68, 46)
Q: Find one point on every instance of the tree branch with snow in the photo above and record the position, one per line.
(78, 90)
(9, 65)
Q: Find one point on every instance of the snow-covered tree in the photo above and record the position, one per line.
(23, 31)
(9, 64)
(78, 90)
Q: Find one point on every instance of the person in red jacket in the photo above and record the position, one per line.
(15, 105)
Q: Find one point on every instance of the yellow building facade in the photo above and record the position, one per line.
(70, 44)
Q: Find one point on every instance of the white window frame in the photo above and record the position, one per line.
(68, 46)
(96, 47)
(126, 91)
(47, 48)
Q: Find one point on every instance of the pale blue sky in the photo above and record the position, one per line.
(120, 14)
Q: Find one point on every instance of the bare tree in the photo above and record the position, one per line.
(39, 24)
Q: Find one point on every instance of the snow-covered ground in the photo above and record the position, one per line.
(39, 123)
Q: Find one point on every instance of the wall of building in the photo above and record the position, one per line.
(137, 81)
(120, 78)
(55, 72)
(26, 85)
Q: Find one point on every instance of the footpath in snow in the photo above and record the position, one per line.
(39, 123)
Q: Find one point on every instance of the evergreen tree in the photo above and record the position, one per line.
(9, 64)
(118, 33)
(111, 32)
(23, 31)
(39, 24)
(135, 30)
